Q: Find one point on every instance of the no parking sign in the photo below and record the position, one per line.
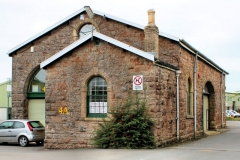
(138, 82)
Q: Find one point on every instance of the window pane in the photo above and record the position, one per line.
(189, 97)
(86, 29)
(97, 97)
(37, 83)
(6, 125)
(19, 125)
(36, 124)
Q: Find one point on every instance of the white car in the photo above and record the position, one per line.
(233, 113)
(228, 114)
(22, 132)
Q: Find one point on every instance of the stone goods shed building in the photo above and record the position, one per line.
(69, 75)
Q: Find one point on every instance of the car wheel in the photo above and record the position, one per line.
(39, 143)
(23, 141)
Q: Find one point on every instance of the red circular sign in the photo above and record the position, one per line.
(137, 80)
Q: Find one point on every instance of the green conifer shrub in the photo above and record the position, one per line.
(130, 126)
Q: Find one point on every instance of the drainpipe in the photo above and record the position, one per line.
(221, 100)
(195, 95)
(178, 72)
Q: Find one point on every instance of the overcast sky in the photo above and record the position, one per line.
(210, 26)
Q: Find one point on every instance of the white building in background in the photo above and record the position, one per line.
(5, 100)
(232, 100)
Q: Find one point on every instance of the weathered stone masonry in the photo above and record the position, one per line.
(64, 88)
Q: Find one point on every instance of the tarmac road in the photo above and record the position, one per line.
(222, 146)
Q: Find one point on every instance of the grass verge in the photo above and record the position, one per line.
(232, 119)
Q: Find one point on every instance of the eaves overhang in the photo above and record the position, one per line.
(163, 64)
(194, 51)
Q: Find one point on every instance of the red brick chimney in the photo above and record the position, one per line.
(151, 34)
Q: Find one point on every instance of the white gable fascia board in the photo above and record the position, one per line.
(100, 36)
(169, 36)
(125, 46)
(45, 31)
(65, 50)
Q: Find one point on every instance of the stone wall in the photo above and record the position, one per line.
(171, 52)
(164, 111)
(64, 87)
(205, 74)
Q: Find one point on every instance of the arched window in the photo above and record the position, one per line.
(86, 29)
(189, 97)
(36, 87)
(97, 97)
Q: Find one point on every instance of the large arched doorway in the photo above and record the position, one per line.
(208, 107)
(36, 97)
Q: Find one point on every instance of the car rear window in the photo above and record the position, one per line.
(36, 124)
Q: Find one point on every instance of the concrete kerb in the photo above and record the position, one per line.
(218, 131)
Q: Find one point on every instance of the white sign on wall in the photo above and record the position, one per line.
(98, 107)
(138, 82)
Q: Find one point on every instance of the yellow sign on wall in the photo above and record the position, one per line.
(63, 110)
(44, 89)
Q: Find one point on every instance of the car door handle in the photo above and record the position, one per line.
(9, 131)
